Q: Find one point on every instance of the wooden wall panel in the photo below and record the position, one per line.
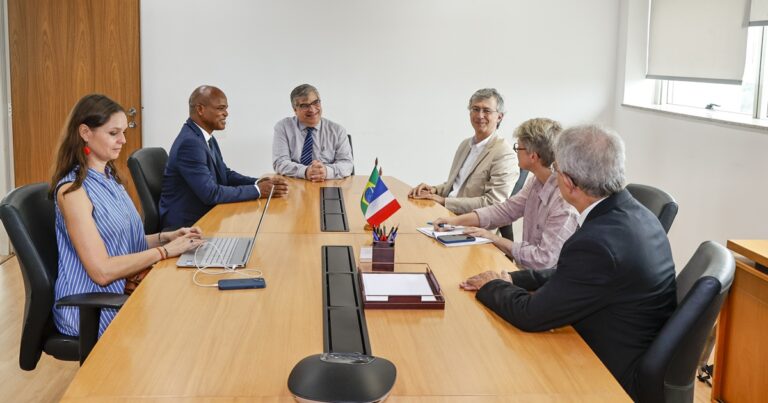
(60, 51)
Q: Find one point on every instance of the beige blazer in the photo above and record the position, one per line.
(489, 182)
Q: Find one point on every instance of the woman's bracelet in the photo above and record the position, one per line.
(160, 251)
(160, 238)
(166, 252)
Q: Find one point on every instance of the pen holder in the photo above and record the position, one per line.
(383, 256)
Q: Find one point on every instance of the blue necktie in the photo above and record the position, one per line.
(306, 151)
(213, 151)
(217, 160)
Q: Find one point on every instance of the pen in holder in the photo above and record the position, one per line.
(383, 258)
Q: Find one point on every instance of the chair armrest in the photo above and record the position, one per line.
(90, 306)
(94, 300)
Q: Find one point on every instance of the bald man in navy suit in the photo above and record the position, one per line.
(196, 178)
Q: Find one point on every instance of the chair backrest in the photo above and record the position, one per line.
(349, 137)
(506, 231)
(658, 201)
(147, 166)
(29, 218)
(666, 372)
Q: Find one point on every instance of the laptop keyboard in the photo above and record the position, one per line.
(219, 251)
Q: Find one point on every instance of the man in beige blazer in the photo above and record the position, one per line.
(484, 169)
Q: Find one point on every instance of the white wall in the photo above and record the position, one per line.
(396, 74)
(717, 172)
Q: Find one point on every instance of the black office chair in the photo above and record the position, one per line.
(349, 137)
(506, 231)
(147, 166)
(656, 200)
(666, 371)
(29, 218)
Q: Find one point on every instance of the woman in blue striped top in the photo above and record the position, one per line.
(98, 230)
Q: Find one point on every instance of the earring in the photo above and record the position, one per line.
(87, 150)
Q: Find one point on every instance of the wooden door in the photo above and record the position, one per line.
(61, 50)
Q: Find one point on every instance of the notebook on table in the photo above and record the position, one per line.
(224, 251)
(428, 231)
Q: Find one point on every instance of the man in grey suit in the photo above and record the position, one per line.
(484, 169)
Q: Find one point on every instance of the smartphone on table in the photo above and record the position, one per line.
(456, 238)
(242, 283)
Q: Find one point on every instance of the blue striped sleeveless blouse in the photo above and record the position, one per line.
(121, 230)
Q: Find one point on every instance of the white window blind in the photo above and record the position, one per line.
(758, 13)
(698, 40)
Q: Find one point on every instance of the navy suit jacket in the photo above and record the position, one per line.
(614, 282)
(193, 183)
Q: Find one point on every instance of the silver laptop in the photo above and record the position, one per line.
(223, 251)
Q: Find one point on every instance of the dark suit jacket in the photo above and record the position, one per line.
(614, 282)
(193, 183)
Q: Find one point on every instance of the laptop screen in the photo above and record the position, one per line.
(263, 213)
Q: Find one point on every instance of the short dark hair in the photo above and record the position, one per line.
(200, 94)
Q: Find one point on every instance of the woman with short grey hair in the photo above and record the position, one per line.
(548, 219)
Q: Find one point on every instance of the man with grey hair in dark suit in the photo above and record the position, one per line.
(615, 278)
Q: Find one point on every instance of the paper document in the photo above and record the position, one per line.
(366, 253)
(457, 231)
(378, 287)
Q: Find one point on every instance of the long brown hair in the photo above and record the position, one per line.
(92, 110)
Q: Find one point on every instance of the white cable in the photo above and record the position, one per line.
(216, 272)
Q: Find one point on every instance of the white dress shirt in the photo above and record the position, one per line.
(474, 151)
(583, 216)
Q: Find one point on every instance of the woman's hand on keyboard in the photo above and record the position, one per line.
(184, 243)
(195, 232)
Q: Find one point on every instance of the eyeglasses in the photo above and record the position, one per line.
(476, 110)
(315, 103)
(557, 170)
(517, 148)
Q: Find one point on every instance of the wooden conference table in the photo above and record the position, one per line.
(175, 341)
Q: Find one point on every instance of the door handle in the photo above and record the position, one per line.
(132, 113)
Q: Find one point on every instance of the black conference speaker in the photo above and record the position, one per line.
(342, 377)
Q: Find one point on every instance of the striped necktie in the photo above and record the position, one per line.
(306, 151)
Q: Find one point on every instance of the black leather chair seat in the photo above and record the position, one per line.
(506, 231)
(666, 371)
(62, 347)
(29, 217)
